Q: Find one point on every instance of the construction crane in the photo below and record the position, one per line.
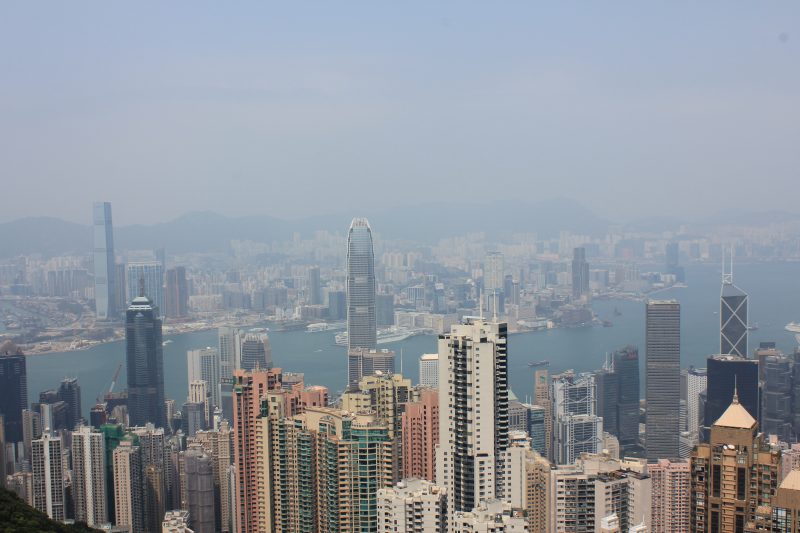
(114, 381)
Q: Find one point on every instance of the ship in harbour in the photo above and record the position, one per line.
(384, 336)
(794, 327)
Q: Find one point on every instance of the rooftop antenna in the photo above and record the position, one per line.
(141, 285)
(735, 389)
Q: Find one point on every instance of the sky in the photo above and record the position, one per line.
(293, 109)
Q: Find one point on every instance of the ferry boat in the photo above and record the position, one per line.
(535, 364)
(317, 326)
(794, 327)
(384, 336)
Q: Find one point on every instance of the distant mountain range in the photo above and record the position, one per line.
(212, 232)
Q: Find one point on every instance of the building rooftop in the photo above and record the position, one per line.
(791, 481)
(736, 416)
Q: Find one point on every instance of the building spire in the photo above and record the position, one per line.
(735, 391)
(141, 285)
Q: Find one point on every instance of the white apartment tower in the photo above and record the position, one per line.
(473, 430)
(412, 506)
(89, 476)
(48, 475)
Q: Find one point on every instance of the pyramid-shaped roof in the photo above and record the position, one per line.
(736, 416)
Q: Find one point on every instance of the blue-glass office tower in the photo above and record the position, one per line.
(361, 317)
(724, 373)
(13, 390)
(145, 363)
(104, 267)
(732, 320)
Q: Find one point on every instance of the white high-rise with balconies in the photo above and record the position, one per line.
(473, 396)
(89, 476)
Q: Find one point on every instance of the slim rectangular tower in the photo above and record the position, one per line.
(104, 267)
(663, 385)
(89, 476)
(473, 395)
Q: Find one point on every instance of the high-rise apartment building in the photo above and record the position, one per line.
(251, 449)
(732, 317)
(203, 365)
(595, 487)
(153, 275)
(385, 395)
(104, 264)
(733, 474)
(489, 516)
(128, 487)
(580, 273)
(13, 390)
(145, 363)
(219, 445)
(671, 495)
(420, 435)
(577, 428)
(199, 472)
(255, 352)
(176, 300)
(783, 513)
(412, 506)
(473, 412)
(328, 467)
(48, 476)
(361, 319)
(663, 377)
(367, 362)
(89, 476)
(543, 399)
(429, 370)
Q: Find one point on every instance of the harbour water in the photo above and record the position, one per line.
(773, 288)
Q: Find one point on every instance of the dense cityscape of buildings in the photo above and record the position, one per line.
(254, 448)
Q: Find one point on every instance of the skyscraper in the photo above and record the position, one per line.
(626, 365)
(732, 317)
(473, 427)
(420, 435)
(580, 273)
(153, 275)
(671, 495)
(13, 390)
(89, 476)
(177, 293)
(314, 296)
(696, 383)
(733, 474)
(663, 375)
(494, 283)
(203, 365)
(776, 394)
(429, 370)
(128, 487)
(48, 476)
(145, 363)
(361, 319)
(69, 392)
(365, 362)
(104, 266)
(726, 373)
(200, 489)
(577, 428)
(543, 399)
(255, 352)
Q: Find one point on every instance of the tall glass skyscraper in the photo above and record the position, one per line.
(145, 360)
(732, 320)
(104, 267)
(361, 319)
(663, 385)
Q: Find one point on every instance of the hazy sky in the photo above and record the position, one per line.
(297, 108)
